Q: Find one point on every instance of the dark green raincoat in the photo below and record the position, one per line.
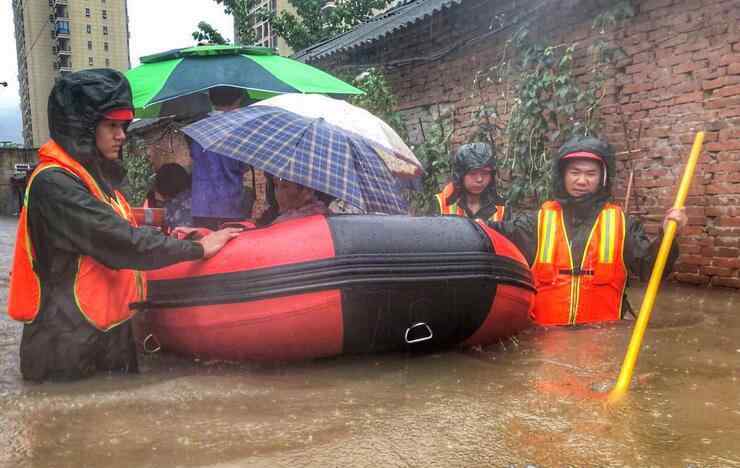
(65, 221)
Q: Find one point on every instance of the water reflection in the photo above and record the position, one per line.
(533, 400)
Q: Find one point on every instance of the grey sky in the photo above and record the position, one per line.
(155, 26)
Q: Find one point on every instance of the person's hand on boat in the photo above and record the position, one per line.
(214, 241)
(679, 216)
(190, 233)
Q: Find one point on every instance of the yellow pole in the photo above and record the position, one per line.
(628, 366)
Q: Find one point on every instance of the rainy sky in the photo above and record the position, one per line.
(155, 26)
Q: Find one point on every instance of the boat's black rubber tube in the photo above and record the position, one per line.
(353, 270)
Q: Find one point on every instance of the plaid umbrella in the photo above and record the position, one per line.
(178, 73)
(397, 156)
(307, 151)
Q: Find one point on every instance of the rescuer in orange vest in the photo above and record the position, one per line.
(580, 246)
(78, 250)
(472, 192)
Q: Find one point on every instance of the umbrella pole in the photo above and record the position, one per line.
(628, 366)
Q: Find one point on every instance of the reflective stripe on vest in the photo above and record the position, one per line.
(101, 294)
(590, 292)
(447, 208)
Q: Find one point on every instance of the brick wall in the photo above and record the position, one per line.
(680, 74)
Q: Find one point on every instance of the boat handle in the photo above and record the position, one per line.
(151, 344)
(423, 338)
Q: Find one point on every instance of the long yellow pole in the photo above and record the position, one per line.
(628, 366)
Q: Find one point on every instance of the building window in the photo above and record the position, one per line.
(105, 14)
(105, 30)
(90, 61)
(89, 45)
(107, 62)
(105, 46)
(87, 12)
(88, 28)
(62, 27)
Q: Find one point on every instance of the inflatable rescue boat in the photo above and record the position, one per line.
(322, 286)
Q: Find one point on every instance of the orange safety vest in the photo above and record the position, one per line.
(447, 208)
(593, 292)
(101, 294)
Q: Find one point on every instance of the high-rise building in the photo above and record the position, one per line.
(265, 36)
(54, 37)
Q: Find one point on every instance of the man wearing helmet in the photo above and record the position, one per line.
(472, 192)
(78, 248)
(579, 245)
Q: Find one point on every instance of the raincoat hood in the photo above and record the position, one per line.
(77, 104)
(597, 148)
(474, 156)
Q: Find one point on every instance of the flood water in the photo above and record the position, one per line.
(524, 402)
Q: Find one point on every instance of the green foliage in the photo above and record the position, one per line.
(378, 99)
(434, 155)
(240, 10)
(314, 21)
(139, 173)
(548, 103)
(207, 33)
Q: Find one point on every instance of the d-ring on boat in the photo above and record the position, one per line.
(322, 286)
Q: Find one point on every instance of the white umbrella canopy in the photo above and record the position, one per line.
(394, 152)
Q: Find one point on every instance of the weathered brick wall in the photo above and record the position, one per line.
(680, 74)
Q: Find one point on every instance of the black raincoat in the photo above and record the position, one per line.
(468, 157)
(65, 221)
(580, 215)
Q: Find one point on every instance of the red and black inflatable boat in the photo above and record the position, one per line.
(322, 286)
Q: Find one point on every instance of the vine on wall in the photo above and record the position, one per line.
(433, 152)
(544, 102)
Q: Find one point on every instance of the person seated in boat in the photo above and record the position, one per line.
(472, 192)
(295, 200)
(581, 247)
(172, 182)
(78, 248)
(218, 192)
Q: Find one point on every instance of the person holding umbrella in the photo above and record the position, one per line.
(78, 248)
(580, 246)
(317, 142)
(218, 182)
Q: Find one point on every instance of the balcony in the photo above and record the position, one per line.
(62, 46)
(60, 13)
(63, 63)
(61, 28)
(56, 3)
(57, 51)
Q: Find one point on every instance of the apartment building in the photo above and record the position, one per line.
(266, 37)
(54, 37)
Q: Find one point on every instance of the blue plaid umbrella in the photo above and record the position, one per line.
(307, 151)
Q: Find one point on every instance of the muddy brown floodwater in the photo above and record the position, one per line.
(529, 401)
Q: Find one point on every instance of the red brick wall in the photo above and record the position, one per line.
(680, 74)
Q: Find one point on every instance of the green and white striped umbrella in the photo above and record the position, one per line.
(179, 73)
